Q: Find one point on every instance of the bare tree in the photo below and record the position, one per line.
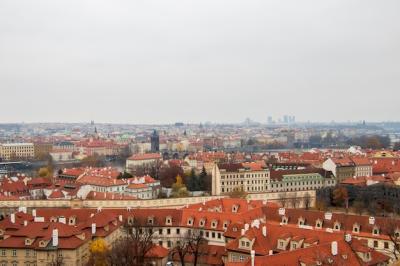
(282, 199)
(133, 246)
(58, 260)
(307, 201)
(193, 244)
(391, 229)
(294, 201)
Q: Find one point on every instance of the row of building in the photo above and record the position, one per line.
(236, 232)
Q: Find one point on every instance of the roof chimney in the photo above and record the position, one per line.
(55, 237)
(93, 229)
(371, 220)
(62, 220)
(328, 216)
(12, 218)
(246, 227)
(25, 223)
(334, 248)
(120, 218)
(243, 232)
(253, 255)
(264, 231)
(34, 212)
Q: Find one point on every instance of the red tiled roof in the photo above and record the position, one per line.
(93, 195)
(147, 156)
(157, 252)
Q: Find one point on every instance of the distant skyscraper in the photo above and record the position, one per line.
(286, 119)
(155, 142)
(270, 120)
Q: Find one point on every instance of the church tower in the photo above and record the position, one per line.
(155, 142)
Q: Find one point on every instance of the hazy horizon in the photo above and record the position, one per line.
(161, 62)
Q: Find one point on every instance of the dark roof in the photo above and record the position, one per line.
(278, 174)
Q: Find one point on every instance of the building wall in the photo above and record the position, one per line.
(363, 170)
(302, 182)
(329, 165)
(154, 203)
(345, 172)
(135, 163)
(17, 150)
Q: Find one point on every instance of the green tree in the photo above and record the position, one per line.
(193, 181)
(202, 179)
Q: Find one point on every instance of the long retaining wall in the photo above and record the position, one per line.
(155, 203)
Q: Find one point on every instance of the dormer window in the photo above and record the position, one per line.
(318, 224)
(356, 228)
(284, 220)
(71, 221)
(28, 242)
(42, 244)
(375, 231)
(53, 219)
(367, 256)
(130, 220)
(234, 229)
(190, 221)
(214, 224)
(225, 225)
(202, 222)
(336, 226)
(168, 220)
(235, 208)
(245, 244)
(150, 220)
(301, 221)
(281, 244)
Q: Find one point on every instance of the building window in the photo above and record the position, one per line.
(3, 252)
(178, 231)
(376, 244)
(160, 231)
(14, 252)
(386, 245)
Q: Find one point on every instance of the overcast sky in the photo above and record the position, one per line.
(149, 61)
